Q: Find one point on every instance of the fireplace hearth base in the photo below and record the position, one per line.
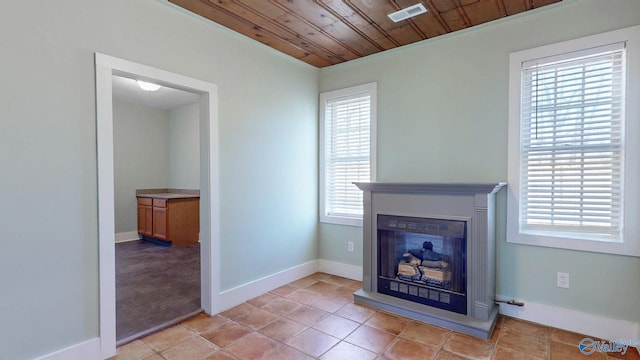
(433, 316)
(442, 206)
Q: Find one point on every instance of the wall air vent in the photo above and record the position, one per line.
(406, 13)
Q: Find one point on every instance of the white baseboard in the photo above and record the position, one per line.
(348, 271)
(238, 295)
(127, 236)
(88, 350)
(572, 320)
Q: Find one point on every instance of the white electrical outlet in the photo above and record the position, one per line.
(350, 246)
(562, 280)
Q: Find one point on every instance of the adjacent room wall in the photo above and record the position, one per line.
(268, 154)
(184, 147)
(141, 157)
(442, 117)
(153, 149)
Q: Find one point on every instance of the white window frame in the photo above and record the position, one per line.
(629, 243)
(371, 90)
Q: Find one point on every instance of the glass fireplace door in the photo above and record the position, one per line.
(423, 260)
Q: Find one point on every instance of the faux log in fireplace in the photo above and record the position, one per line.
(429, 253)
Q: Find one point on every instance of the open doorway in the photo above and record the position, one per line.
(106, 67)
(156, 161)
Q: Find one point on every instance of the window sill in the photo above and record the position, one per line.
(628, 248)
(341, 220)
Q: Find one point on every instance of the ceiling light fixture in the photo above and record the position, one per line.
(147, 86)
(408, 12)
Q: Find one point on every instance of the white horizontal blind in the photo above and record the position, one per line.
(572, 116)
(347, 149)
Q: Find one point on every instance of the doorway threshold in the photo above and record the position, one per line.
(157, 328)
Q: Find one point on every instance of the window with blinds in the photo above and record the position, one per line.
(347, 117)
(571, 144)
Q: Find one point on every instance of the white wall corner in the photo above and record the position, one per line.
(127, 236)
(88, 350)
(238, 295)
(348, 271)
(572, 320)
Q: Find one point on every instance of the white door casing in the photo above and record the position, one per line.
(106, 66)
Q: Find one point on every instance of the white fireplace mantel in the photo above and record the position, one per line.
(441, 188)
(471, 202)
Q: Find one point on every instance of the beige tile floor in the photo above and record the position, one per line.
(315, 318)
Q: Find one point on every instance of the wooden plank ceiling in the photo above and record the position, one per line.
(328, 32)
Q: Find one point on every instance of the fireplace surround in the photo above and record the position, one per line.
(429, 253)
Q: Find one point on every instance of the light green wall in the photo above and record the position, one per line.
(333, 243)
(141, 157)
(269, 177)
(48, 197)
(184, 147)
(442, 116)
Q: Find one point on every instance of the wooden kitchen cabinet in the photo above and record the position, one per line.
(173, 219)
(145, 216)
(160, 219)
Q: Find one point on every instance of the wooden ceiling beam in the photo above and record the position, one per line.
(273, 28)
(463, 14)
(436, 13)
(501, 7)
(371, 22)
(528, 4)
(360, 24)
(317, 28)
(227, 19)
(349, 24)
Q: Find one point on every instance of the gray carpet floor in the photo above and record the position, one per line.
(155, 287)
